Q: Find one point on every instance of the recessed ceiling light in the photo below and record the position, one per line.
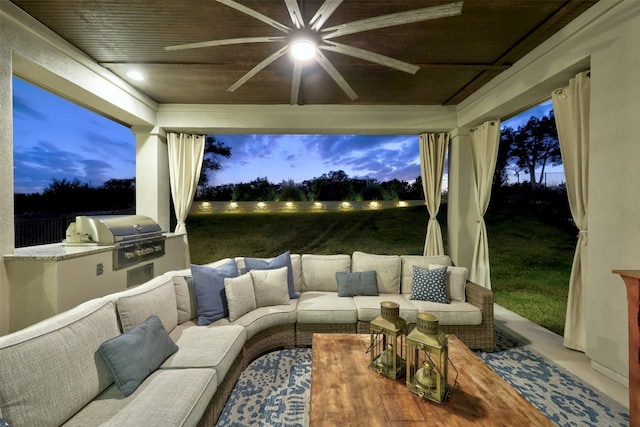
(135, 75)
(303, 49)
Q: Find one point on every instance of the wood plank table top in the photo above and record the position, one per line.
(345, 392)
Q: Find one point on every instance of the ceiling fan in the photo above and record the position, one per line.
(309, 39)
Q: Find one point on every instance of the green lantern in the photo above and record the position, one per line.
(428, 360)
(387, 341)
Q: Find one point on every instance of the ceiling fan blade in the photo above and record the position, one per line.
(324, 13)
(255, 70)
(295, 82)
(400, 18)
(225, 42)
(336, 76)
(371, 57)
(255, 14)
(294, 12)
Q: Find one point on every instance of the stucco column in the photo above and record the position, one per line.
(7, 235)
(153, 191)
(461, 204)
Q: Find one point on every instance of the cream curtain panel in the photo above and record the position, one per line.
(433, 153)
(571, 108)
(185, 162)
(484, 151)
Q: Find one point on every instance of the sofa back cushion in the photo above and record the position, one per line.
(387, 268)
(155, 297)
(408, 261)
(319, 271)
(50, 370)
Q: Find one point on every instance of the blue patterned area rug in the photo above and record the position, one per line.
(274, 389)
(562, 397)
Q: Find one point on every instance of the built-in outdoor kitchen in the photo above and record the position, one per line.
(100, 255)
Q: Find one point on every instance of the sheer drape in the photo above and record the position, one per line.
(571, 108)
(484, 151)
(433, 153)
(185, 162)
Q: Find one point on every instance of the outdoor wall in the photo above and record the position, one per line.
(614, 196)
(246, 207)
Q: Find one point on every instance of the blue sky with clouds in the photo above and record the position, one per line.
(55, 139)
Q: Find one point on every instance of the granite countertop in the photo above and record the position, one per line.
(59, 251)
(56, 251)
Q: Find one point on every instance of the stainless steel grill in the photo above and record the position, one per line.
(136, 237)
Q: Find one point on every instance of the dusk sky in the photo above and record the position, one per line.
(57, 139)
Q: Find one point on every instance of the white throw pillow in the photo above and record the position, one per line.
(456, 282)
(241, 298)
(270, 286)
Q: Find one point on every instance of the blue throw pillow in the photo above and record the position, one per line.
(429, 285)
(282, 260)
(133, 356)
(208, 284)
(357, 283)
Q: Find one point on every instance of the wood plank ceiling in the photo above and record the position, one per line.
(456, 55)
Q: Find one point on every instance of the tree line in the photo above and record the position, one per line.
(529, 149)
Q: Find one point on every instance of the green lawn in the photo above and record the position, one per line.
(530, 261)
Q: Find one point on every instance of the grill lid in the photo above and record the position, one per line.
(109, 229)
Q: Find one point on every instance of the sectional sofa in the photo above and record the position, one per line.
(163, 353)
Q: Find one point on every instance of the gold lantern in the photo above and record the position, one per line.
(387, 341)
(427, 360)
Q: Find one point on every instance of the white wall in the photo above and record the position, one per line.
(614, 195)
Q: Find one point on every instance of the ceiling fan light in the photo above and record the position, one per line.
(303, 49)
(135, 75)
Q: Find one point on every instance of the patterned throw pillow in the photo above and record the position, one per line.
(429, 285)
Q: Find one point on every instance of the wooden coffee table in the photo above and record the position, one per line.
(345, 392)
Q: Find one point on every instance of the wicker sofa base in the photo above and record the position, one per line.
(216, 405)
(476, 337)
(273, 338)
(305, 331)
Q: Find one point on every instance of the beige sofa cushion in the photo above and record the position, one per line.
(408, 261)
(368, 307)
(157, 296)
(168, 397)
(326, 307)
(455, 313)
(50, 370)
(263, 318)
(207, 347)
(319, 271)
(387, 268)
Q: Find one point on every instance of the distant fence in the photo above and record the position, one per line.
(549, 179)
(33, 230)
(245, 207)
